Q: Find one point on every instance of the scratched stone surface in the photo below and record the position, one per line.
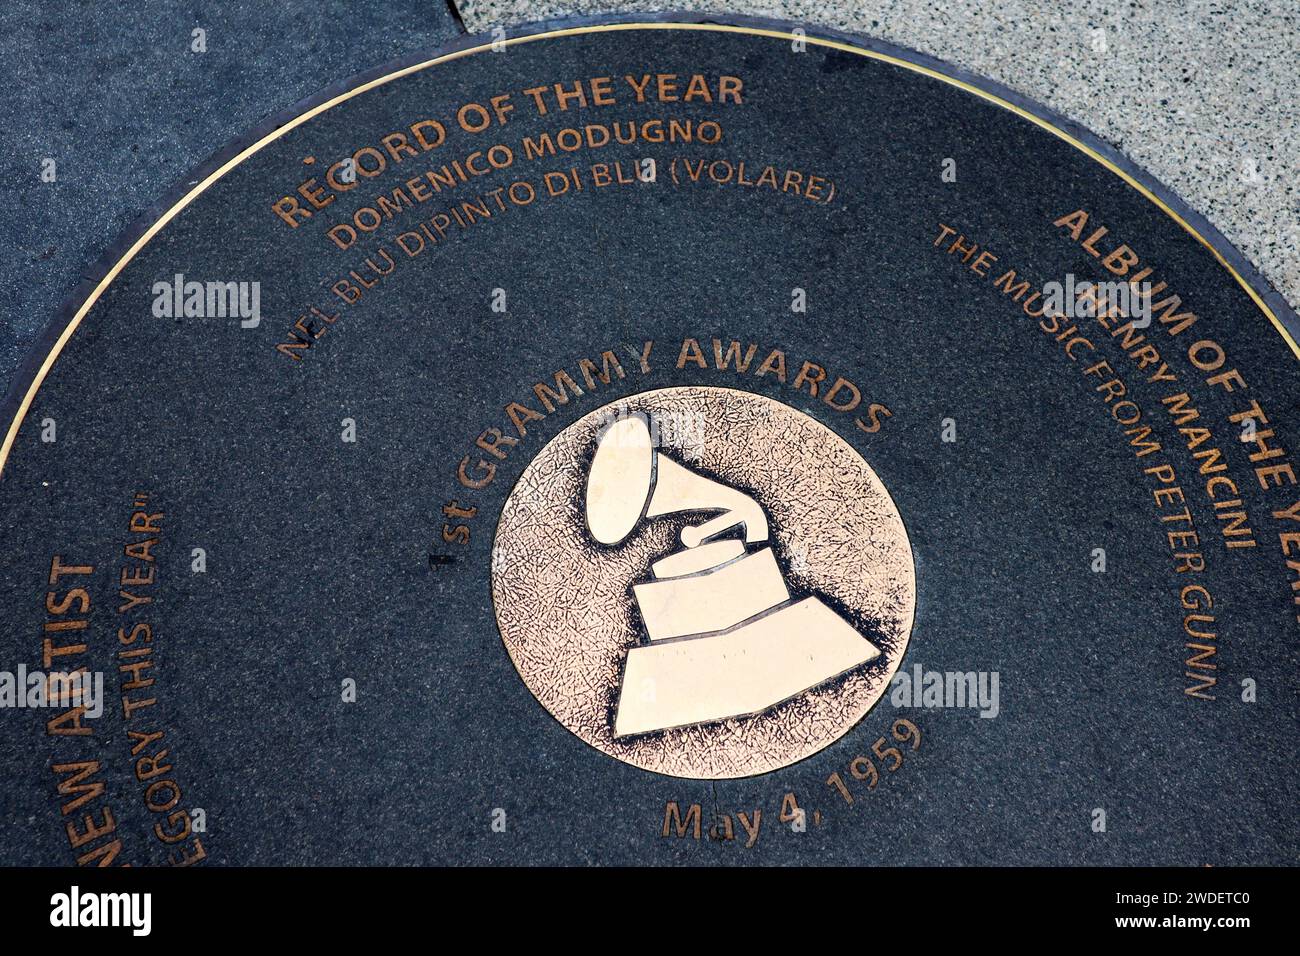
(326, 560)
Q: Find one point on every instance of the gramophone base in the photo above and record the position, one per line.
(745, 670)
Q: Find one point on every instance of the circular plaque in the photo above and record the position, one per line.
(656, 442)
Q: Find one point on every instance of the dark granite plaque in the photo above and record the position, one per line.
(663, 443)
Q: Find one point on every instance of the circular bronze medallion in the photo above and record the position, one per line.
(725, 653)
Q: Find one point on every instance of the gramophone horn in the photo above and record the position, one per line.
(629, 480)
(621, 478)
(677, 488)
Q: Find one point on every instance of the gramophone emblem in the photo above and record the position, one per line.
(724, 636)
